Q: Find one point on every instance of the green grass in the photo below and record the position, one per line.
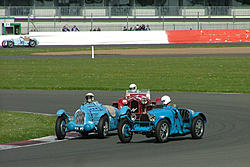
(191, 74)
(17, 126)
(26, 51)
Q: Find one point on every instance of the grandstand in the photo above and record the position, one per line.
(112, 15)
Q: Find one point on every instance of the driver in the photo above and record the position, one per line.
(165, 100)
(133, 87)
(89, 98)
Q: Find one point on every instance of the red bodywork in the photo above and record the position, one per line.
(138, 103)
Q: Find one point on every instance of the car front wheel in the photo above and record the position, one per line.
(124, 131)
(32, 43)
(162, 131)
(61, 126)
(198, 128)
(103, 127)
(10, 44)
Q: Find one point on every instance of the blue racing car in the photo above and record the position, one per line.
(21, 41)
(91, 117)
(160, 121)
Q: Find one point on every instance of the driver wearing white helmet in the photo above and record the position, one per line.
(133, 87)
(89, 98)
(165, 100)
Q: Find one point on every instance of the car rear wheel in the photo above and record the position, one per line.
(61, 126)
(162, 131)
(10, 44)
(4, 44)
(32, 43)
(198, 128)
(124, 131)
(103, 127)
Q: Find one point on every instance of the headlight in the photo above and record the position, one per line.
(144, 101)
(133, 117)
(152, 118)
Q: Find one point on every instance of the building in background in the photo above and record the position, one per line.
(56, 3)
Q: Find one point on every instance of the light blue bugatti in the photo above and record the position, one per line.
(91, 117)
(161, 122)
(21, 41)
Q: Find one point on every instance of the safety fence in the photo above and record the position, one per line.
(56, 26)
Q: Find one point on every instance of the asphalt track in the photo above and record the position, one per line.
(226, 142)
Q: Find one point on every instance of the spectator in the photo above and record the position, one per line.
(98, 29)
(147, 28)
(143, 27)
(75, 28)
(137, 27)
(125, 28)
(65, 29)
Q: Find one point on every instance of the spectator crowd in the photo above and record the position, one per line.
(137, 28)
(74, 28)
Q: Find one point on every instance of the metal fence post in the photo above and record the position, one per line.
(163, 20)
(233, 19)
(28, 27)
(91, 21)
(127, 20)
(54, 23)
(198, 21)
(92, 52)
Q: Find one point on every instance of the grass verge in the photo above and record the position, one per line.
(23, 126)
(26, 51)
(188, 74)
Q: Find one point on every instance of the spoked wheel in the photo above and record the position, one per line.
(103, 127)
(198, 128)
(10, 44)
(124, 131)
(32, 43)
(4, 44)
(162, 131)
(61, 126)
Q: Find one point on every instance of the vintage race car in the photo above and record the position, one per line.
(160, 122)
(21, 41)
(138, 101)
(91, 117)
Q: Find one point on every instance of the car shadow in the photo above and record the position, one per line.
(92, 136)
(153, 140)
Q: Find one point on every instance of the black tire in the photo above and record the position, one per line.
(61, 125)
(103, 127)
(32, 43)
(197, 128)
(10, 44)
(122, 127)
(162, 131)
(3, 45)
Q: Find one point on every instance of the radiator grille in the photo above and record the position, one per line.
(79, 118)
(144, 120)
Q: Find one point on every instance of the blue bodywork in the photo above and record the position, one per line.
(86, 118)
(180, 120)
(21, 41)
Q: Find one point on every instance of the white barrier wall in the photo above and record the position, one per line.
(100, 37)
